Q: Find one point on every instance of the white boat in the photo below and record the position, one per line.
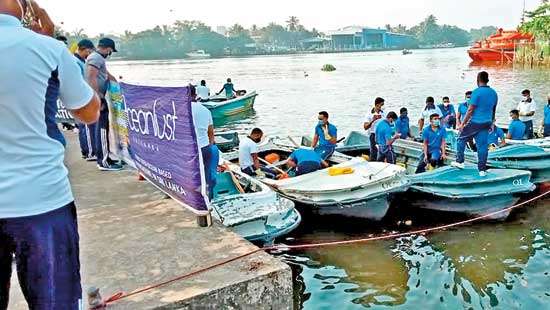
(259, 214)
(541, 142)
(198, 54)
(365, 193)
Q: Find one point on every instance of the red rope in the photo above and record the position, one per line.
(121, 295)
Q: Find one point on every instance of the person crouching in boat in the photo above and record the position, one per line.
(496, 137)
(516, 129)
(248, 156)
(306, 161)
(372, 119)
(203, 92)
(433, 138)
(385, 138)
(448, 115)
(229, 89)
(325, 137)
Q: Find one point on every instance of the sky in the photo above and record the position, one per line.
(116, 16)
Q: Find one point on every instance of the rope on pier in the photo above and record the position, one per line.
(122, 295)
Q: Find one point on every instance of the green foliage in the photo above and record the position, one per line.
(328, 68)
(539, 22)
(482, 33)
(429, 32)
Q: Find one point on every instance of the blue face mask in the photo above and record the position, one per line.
(321, 123)
(436, 122)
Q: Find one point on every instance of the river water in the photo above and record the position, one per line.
(501, 265)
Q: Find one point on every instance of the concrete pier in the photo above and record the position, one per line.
(131, 237)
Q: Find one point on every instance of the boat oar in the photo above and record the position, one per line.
(234, 178)
(293, 142)
(274, 167)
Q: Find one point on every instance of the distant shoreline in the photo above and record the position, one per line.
(286, 53)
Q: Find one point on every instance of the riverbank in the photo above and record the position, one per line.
(131, 237)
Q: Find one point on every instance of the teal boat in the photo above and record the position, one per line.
(220, 107)
(227, 141)
(259, 214)
(450, 189)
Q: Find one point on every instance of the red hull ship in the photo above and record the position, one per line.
(499, 46)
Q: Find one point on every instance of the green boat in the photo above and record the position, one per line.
(220, 107)
(450, 189)
(227, 141)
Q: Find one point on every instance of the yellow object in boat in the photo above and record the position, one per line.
(402, 165)
(365, 157)
(333, 171)
(430, 167)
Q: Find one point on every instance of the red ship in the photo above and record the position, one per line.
(499, 46)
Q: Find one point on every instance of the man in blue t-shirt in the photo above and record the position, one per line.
(306, 161)
(229, 89)
(385, 138)
(402, 124)
(496, 136)
(546, 120)
(463, 109)
(325, 137)
(448, 114)
(433, 138)
(477, 122)
(516, 129)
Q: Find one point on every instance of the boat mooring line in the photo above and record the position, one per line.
(121, 295)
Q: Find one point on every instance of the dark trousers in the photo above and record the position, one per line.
(210, 159)
(325, 151)
(373, 156)
(434, 159)
(529, 130)
(102, 135)
(386, 154)
(480, 132)
(268, 172)
(546, 130)
(87, 137)
(307, 167)
(46, 252)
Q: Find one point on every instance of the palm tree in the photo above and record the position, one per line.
(292, 23)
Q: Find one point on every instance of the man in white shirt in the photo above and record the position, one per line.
(527, 108)
(248, 155)
(204, 130)
(429, 109)
(38, 222)
(203, 92)
(371, 120)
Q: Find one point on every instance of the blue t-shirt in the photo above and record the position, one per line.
(462, 109)
(228, 87)
(35, 71)
(547, 114)
(450, 110)
(434, 138)
(495, 135)
(81, 64)
(402, 126)
(305, 155)
(516, 129)
(484, 99)
(332, 131)
(384, 132)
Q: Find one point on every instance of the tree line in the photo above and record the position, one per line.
(174, 41)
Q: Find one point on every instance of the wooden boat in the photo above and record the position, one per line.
(499, 46)
(450, 189)
(227, 141)
(259, 214)
(221, 107)
(365, 193)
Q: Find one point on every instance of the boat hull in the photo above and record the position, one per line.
(373, 209)
(492, 55)
(232, 107)
(469, 206)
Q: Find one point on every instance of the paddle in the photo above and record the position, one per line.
(274, 167)
(234, 178)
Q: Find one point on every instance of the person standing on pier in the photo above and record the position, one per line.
(325, 137)
(99, 78)
(372, 119)
(38, 221)
(477, 122)
(86, 133)
(527, 109)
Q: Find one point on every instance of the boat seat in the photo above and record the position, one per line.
(225, 185)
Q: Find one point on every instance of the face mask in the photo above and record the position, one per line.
(446, 104)
(511, 118)
(321, 123)
(106, 55)
(404, 115)
(435, 122)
